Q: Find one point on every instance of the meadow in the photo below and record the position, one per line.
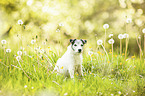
(35, 33)
(27, 70)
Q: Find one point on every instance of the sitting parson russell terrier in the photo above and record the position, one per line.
(71, 61)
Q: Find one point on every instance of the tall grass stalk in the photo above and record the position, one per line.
(105, 38)
(139, 45)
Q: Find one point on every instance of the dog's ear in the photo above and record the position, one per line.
(72, 41)
(84, 41)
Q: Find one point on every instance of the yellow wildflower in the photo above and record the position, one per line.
(112, 70)
(42, 61)
(134, 66)
(61, 67)
(102, 54)
(48, 47)
(115, 55)
(122, 53)
(108, 61)
(0, 60)
(92, 73)
(110, 52)
(99, 52)
(120, 63)
(123, 71)
(85, 74)
(132, 56)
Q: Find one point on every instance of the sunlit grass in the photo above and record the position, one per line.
(29, 71)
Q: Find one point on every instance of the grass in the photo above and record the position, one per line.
(33, 74)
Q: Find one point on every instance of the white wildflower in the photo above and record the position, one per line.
(8, 50)
(128, 20)
(120, 36)
(19, 53)
(44, 43)
(119, 92)
(106, 26)
(125, 35)
(25, 52)
(133, 91)
(99, 42)
(65, 94)
(20, 22)
(143, 30)
(111, 41)
(32, 87)
(18, 58)
(25, 86)
(110, 35)
(61, 24)
(112, 94)
(22, 48)
(29, 2)
(90, 53)
(57, 30)
(33, 41)
(3, 41)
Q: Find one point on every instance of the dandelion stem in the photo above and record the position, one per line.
(112, 52)
(144, 45)
(126, 48)
(105, 51)
(120, 47)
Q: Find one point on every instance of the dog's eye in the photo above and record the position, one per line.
(81, 44)
(75, 45)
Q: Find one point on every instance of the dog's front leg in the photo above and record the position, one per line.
(80, 71)
(71, 72)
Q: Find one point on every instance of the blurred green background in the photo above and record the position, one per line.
(59, 20)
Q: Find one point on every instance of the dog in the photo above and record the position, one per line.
(71, 61)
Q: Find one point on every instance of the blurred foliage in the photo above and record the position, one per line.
(58, 20)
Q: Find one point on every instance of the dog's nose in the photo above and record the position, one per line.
(79, 50)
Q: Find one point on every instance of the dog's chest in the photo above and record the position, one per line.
(77, 59)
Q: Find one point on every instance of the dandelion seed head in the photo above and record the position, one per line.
(3, 41)
(120, 36)
(106, 26)
(111, 41)
(110, 35)
(8, 50)
(18, 58)
(20, 22)
(99, 42)
(19, 53)
(33, 41)
(128, 20)
(125, 35)
(143, 30)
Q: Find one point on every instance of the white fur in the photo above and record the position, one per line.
(70, 63)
